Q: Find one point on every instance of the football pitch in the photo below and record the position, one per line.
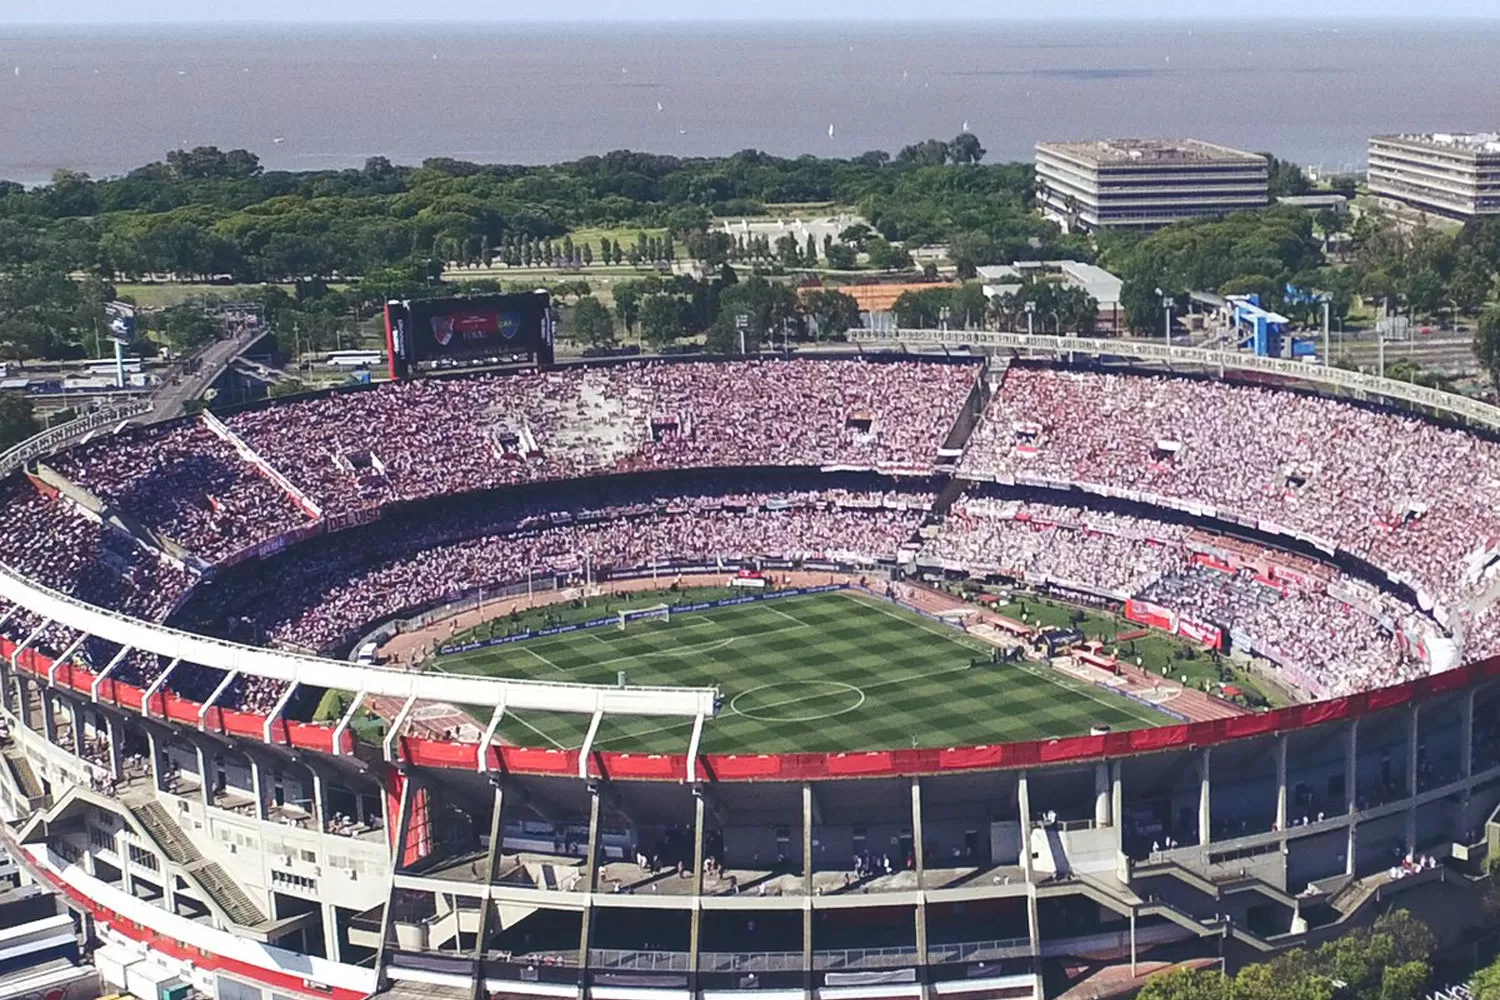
(822, 672)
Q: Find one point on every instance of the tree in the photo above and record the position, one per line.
(965, 148)
(1487, 344)
(185, 327)
(287, 387)
(927, 153)
(810, 254)
(967, 306)
(832, 311)
(841, 257)
(713, 249)
(591, 321)
(886, 256)
(1486, 982)
(662, 320)
(920, 310)
(1285, 178)
(17, 420)
(1186, 984)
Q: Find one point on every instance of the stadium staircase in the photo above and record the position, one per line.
(1123, 900)
(222, 892)
(113, 517)
(24, 778)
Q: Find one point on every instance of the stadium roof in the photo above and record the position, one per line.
(1114, 152)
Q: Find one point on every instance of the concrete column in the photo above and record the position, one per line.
(1299, 922)
(1466, 736)
(1412, 732)
(151, 748)
(75, 710)
(319, 800)
(116, 732)
(331, 946)
(1023, 799)
(1283, 746)
(1351, 765)
(1351, 791)
(1205, 798)
(493, 857)
(591, 874)
(206, 791)
(403, 832)
(23, 713)
(916, 832)
(1117, 813)
(49, 716)
(1102, 812)
(695, 921)
(807, 881)
(258, 787)
(1132, 942)
(921, 868)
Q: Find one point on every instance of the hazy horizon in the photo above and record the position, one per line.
(842, 13)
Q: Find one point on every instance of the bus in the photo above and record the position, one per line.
(356, 359)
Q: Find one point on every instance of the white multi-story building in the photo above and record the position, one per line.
(1145, 182)
(1453, 175)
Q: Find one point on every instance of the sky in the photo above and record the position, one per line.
(13, 12)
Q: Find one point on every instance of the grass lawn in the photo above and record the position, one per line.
(159, 295)
(834, 671)
(1154, 650)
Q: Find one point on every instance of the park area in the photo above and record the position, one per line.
(835, 671)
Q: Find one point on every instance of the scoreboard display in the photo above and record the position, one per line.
(424, 336)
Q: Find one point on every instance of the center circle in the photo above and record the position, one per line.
(792, 697)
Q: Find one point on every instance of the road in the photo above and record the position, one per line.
(168, 400)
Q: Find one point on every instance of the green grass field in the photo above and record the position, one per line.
(835, 671)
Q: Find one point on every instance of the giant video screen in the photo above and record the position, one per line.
(434, 335)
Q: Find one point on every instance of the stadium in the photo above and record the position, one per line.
(656, 679)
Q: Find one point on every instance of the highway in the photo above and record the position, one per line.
(179, 386)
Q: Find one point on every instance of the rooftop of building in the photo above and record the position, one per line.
(1102, 285)
(1464, 142)
(1108, 152)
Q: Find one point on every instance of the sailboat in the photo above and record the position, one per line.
(658, 105)
(830, 131)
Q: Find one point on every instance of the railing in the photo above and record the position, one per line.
(1473, 410)
(977, 951)
(48, 440)
(318, 672)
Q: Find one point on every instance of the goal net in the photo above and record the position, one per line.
(662, 612)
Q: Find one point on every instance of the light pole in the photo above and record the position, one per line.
(741, 323)
(1167, 303)
(1326, 326)
(1030, 312)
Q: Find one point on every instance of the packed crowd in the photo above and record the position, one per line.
(418, 439)
(1071, 547)
(327, 596)
(1333, 648)
(1410, 496)
(1329, 645)
(185, 483)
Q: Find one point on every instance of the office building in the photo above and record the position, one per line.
(1447, 174)
(1145, 182)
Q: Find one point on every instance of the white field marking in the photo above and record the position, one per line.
(793, 618)
(534, 729)
(539, 656)
(914, 620)
(903, 679)
(1125, 703)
